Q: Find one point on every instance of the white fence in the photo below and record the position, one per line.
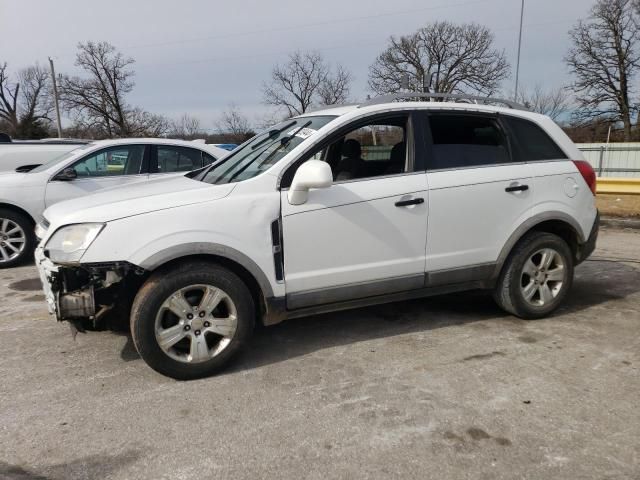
(613, 159)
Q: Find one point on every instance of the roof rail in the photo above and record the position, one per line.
(445, 96)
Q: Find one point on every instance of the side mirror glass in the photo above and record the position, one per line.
(311, 174)
(67, 174)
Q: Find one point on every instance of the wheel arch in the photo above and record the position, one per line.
(558, 223)
(17, 209)
(250, 273)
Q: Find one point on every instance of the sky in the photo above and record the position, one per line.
(198, 56)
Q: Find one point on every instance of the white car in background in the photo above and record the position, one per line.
(84, 170)
(345, 207)
(29, 154)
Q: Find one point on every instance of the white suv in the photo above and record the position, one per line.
(335, 209)
(25, 193)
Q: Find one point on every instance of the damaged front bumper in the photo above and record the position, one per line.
(85, 291)
(49, 277)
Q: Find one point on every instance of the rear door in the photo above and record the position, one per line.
(109, 167)
(478, 194)
(559, 188)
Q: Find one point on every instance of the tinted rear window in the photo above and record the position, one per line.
(466, 141)
(531, 142)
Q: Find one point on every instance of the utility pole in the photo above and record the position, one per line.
(55, 97)
(404, 82)
(515, 96)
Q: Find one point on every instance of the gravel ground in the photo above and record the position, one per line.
(443, 388)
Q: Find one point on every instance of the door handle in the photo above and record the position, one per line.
(517, 188)
(413, 201)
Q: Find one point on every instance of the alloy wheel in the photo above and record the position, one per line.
(196, 323)
(543, 276)
(13, 240)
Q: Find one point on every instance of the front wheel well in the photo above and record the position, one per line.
(244, 274)
(16, 209)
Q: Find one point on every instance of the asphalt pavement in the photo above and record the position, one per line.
(444, 388)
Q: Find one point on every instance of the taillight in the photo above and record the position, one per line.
(587, 172)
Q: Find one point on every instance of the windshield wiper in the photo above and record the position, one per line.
(273, 133)
(244, 167)
(284, 141)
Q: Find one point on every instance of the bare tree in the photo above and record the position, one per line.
(553, 103)
(98, 101)
(186, 127)
(304, 80)
(99, 98)
(268, 119)
(441, 58)
(8, 100)
(146, 124)
(234, 125)
(335, 88)
(26, 104)
(604, 59)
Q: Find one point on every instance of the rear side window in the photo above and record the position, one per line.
(177, 159)
(532, 142)
(462, 141)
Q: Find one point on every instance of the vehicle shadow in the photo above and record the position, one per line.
(94, 466)
(595, 283)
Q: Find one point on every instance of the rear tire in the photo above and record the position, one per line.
(17, 238)
(187, 322)
(536, 277)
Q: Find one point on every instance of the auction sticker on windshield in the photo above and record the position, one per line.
(303, 133)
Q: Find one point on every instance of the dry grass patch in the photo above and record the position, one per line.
(619, 205)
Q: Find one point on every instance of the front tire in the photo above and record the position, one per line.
(536, 277)
(17, 238)
(187, 322)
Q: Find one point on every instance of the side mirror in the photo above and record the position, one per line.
(67, 174)
(311, 174)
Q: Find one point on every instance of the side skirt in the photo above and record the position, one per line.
(277, 307)
(343, 293)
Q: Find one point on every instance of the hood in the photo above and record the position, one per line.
(11, 178)
(14, 185)
(136, 199)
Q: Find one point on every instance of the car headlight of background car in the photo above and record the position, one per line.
(68, 244)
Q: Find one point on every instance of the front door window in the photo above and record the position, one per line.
(112, 162)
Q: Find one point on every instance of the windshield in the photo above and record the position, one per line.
(60, 158)
(263, 150)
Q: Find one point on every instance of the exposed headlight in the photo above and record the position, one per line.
(69, 243)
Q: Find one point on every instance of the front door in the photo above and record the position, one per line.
(366, 234)
(109, 167)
